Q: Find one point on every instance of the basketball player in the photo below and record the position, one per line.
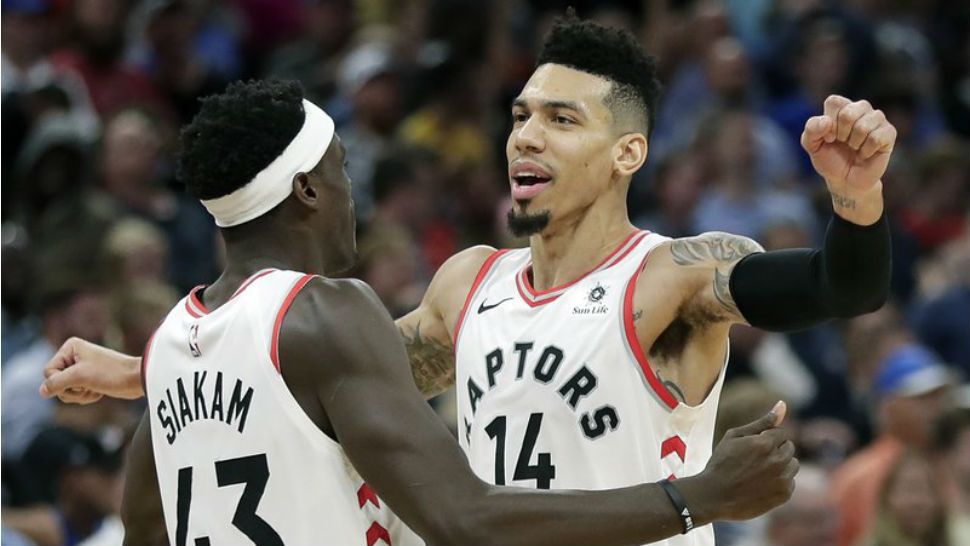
(595, 357)
(262, 385)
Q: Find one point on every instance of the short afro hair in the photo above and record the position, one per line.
(237, 134)
(611, 54)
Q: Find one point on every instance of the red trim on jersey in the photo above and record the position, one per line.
(250, 280)
(634, 343)
(536, 298)
(274, 351)
(194, 305)
(144, 363)
(482, 271)
(377, 532)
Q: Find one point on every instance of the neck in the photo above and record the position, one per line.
(572, 247)
(264, 245)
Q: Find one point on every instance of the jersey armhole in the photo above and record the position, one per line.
(274, 348)
(482, 273)
(633, 343)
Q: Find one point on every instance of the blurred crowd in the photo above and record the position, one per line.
(99, 240)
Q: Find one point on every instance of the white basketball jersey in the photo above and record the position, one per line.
(554, 391)
(238, 460)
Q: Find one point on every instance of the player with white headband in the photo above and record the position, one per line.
(275, 392)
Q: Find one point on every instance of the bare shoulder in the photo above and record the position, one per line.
(332, 315)
(711, 258)
(712, 248)
(455, 277)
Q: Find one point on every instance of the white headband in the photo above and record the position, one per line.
(275, 183)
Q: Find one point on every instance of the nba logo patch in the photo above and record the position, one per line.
(194, 340)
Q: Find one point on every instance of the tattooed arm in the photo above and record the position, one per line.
(429, 350)
(792, 289)
(427, 331)
(714, 254)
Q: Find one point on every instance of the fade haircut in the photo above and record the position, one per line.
(237, 134)
(611, 54)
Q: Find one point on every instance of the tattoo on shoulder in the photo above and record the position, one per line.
(722, 291)
(724, 250)
(432, 363)
(717, 246)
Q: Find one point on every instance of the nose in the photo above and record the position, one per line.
(530, 136)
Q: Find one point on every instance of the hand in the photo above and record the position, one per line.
(850, 143)
(752, 470)
(82, 372)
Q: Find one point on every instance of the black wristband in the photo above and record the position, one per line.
(685, 518)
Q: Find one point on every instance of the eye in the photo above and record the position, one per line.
(519, 117)
(563, 120)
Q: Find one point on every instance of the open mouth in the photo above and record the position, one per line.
(528, 180)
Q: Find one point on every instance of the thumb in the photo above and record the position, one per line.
(768, 421)
(60, 381)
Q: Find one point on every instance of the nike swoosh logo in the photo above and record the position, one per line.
(482, 308)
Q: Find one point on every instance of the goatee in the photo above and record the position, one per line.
(524, 224)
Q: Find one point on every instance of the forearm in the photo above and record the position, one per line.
(859, 207)
(130, 379)
(794, 289)
(635, 515)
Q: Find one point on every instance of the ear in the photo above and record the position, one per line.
(629, 153)
(305, 192)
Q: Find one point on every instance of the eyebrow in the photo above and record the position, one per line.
(551, 105)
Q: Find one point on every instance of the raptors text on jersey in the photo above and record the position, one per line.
(554, 391)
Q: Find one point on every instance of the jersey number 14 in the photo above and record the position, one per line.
(543, 472)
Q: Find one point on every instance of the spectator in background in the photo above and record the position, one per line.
(97, 56)
(937, 210)
(313, 56)
(819, 63)
(953, 452)
(68, 308)
(910, 510)
(78, 483)
(910, 386)
(134, 252)
(734, 202)
(370, 83)
(451, 122)
(175, 55)
(137, 310)
(809, 518)
(64, 216)
(19, 325)
(940, 316)
(677, 187)
(25, 41)
(131, 169)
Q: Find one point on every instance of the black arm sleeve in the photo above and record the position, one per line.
(793, 289)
